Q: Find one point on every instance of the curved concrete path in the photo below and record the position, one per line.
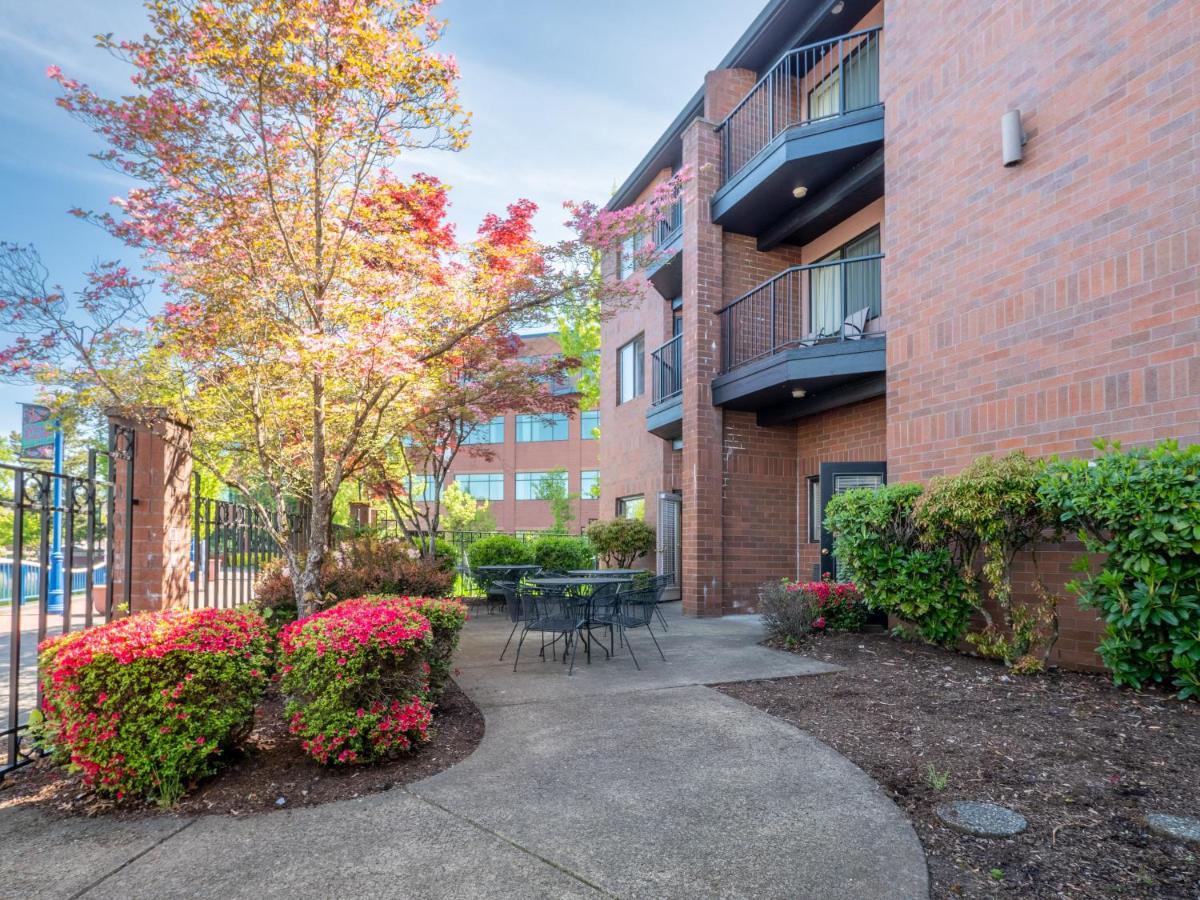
(610, 783)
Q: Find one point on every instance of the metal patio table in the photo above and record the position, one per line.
(583, 581)
(607, 573)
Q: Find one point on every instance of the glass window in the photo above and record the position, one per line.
(486, 432)
(589, 484)
(814, 510)
(482, 485)
(421, 487)
(541, 428)
(633, 507)
(529, 483)
(631, 375)
(627, 256)
(589, 424)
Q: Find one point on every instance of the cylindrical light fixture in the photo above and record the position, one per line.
(1012, 137)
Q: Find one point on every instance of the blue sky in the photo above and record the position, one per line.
(567, 96)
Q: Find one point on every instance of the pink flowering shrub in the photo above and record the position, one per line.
(357, 679)
(838, 606)
(146, 705)
(446, 619)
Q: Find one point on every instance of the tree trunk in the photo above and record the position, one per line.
(307, 582)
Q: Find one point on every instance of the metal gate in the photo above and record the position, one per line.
(670, 541)
(56, 570)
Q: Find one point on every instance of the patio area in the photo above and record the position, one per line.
(610, 782)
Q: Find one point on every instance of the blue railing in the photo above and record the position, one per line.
(31, 577)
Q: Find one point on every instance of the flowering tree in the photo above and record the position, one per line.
(485, 376)
(315, 298)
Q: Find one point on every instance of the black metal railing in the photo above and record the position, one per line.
(57, 539)
(671, 225)
(666, 371)
(801, 306)
(232, 542)
(810, 84)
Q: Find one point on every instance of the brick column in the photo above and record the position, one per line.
(703, 294)
(162, 523)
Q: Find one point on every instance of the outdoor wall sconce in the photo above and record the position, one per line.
(1012, 137)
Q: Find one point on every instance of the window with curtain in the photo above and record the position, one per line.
(836, 291)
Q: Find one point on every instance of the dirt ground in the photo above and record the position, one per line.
(272, 767)
(1083, 761)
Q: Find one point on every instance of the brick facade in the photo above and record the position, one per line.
(1035, 307)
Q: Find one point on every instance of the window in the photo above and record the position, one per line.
(541, 428)
(483, 485)
(839, 291)
(589, 424)
(633, 507)
(627, 256)
(529, 483)
(486, 432)
(589, 484)
(421, 487)
(631, 375)
(814, 509)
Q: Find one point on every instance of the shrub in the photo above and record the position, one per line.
(1141, 508)
(556, 553)
(445, 554)
(145, 705)
(839, 605)
(370, 564)
(446, 619)
(274, 596)
(987, 514)
(787, 614)
(356, 678)
(500, 550)
(877, 537)
(619, 542)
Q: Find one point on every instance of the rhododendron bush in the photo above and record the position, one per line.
(357, 678)
(446, 619)
(839, 605)
(146, 705)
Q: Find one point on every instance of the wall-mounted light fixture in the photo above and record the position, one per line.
(799, 393)
(1012, 137)
(799, 192)
(838, 7)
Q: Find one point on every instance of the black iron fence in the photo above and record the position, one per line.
(671, 225)
(802, 306)
(810, 84)
(666, 371)
(232, 542)
(57, 540)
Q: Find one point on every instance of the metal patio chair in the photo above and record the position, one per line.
(636, 610)
(512, 603)
(555, 612)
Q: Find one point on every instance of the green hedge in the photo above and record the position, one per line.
(557, 553)
(500, 550)
(1141, 509)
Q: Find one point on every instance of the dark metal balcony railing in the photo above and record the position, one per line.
(666, 371)
(666, 230)
(810, 84)
(801, 306)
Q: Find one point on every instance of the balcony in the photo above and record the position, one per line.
(805, 341)
(814, 121)
(664, 416)
(666, 272)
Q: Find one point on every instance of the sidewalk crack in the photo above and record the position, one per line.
(103, 878)
(500, 837)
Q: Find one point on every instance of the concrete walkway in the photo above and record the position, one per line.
(612, 782)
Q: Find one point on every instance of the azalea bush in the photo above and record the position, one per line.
(146, 705)
(839, 605)
(559, 553)
(446, 619)
(1139, 511)
(356, 677)
(897, 568)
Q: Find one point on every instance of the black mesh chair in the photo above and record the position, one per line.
(603, 603)
(512, 603)
(636, 609)
(554, 612)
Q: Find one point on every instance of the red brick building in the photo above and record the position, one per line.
(525, 449)
(863, 291)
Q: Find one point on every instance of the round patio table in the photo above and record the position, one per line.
(506, 573)
(606, 573)
(581, 581)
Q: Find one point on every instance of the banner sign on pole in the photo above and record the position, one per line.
(37, 432)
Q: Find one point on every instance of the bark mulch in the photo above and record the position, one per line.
(272, 767)
(1082, 760)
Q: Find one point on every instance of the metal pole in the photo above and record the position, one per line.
(55, 598)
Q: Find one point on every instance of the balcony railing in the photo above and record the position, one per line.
(666, 371)
(810, 84)
(666, 230)
(802, 306)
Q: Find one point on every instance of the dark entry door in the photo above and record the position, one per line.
(837, 478)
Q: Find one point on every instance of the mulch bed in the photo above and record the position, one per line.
(272, 767)
(1083, 761)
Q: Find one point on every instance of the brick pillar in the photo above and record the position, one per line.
(162, 522)
(703, 293)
